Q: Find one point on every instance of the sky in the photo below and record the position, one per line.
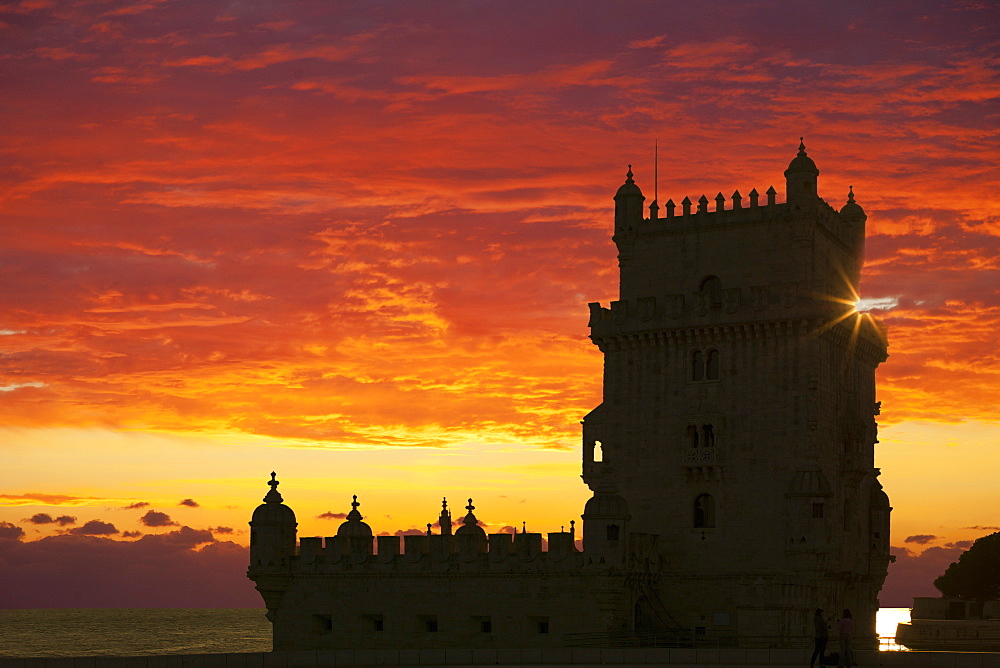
(354, 243)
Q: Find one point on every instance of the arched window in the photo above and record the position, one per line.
(612, 532)
(712, 287)
(704, 512)
(691, 436)
(598, 452)
(712, 365)
(709, 432)
(697, 365)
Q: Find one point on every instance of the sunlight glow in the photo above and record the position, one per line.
(877, 304)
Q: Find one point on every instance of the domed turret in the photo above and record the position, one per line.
(470, 525)
(606, 504)
(272, 530)
(354, 527)
(628, 204)
(471, 537)
(801, 177)
(605, 522)
(852, 211)
(810, 482)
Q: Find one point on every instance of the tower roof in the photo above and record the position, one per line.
(802, 162)
(629, 187)
(606, 503)
(852, 209)
(470, 525)
(273, 510)
(354, 526)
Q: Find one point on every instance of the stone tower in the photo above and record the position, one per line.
(738, 414)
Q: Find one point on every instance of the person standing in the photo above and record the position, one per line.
(845, 627)
(821, 636)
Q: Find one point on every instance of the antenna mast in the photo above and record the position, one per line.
(656, 170)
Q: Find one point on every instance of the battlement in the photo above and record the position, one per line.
(500, 552)
(702, 214)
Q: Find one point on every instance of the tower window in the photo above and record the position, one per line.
(374, 622)
(429, 623)
(818, 511)
(322, 623)
(712, 365)
(704, 512)
(598, 452)
(712, 287)
(612, 532)
(709, 432)
(691, 436)
(697, 365)
(705, 364)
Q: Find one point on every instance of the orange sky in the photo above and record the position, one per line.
(357, 248)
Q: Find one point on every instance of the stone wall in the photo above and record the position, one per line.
(679, 658)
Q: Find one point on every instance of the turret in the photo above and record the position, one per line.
(471, 537)
(605, 523)
(355, 532)
(801, 178)
(272, 531)
(855, 217)
(628, 204)
(444, 521)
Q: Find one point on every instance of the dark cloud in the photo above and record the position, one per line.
(154, 518)
(178, 569)
(10, 531)
(223, 530)
(920, 539)
(961, 544)
(136, 505)
(330, 515)
(913, 574)
(45, 518)
(131, 534)
(190, 503)
(94, 528)
(183, 537)
(981, 528)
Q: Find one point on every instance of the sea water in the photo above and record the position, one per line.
(121, 632)
(127, 632)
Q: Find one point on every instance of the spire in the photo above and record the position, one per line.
(354, 514)
(850, 195)
(444, 521)
(273, 495)
(802, 147)
(470, 519)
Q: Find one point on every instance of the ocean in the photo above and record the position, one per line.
(123, 632)
(128, 632)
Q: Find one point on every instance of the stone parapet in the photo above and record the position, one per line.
(502, 553)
